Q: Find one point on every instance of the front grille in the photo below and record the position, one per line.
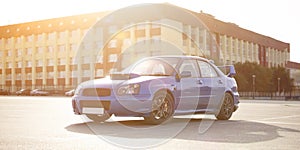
(100, 92)
(95, 104)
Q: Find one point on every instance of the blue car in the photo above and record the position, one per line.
(158, 88)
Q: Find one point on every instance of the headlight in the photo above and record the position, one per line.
(129, 89)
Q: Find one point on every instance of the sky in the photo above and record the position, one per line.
(279, 19)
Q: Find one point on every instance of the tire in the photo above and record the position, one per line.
(227, 108)
(98, 118)
(162, 108)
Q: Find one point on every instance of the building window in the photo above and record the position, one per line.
(74, 74)
(50, 62)
(8, 77)
(40, 50)
(39, 63)
(62, 35)
(9, 64)
(29, 51)
(50, 75)
(61, 61)
(51, 36)
(73, 61)
(39, 75)
(245, 50)
(62, 48)
(74, 34)
(61, 74)
(19, 40)
(30, 38)
(19, 76)
(112, 43)
(28, 63)
(73, 47)
(40, 37)
(99, 59)
(9, 53)
(86, 73)
(19, 64)
(19, 52)
(238, 51)
(113, 58)
(250, 50)
(50, 49)
(99, 73)
(28, 76)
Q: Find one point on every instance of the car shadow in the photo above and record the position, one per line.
(231, 131)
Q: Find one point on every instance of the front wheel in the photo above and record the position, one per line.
(227, 108)
(98, 118)
(162, 108)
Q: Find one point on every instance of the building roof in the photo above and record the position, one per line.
(70, 23)
(293, 65)
(231, 29)
(87, 20)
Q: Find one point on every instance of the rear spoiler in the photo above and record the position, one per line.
(229, 70)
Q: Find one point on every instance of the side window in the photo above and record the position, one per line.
(206, 70)
(158, 69)
(191, 66)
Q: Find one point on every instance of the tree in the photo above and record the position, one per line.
(266, 79)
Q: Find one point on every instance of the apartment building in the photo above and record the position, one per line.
(62, 52)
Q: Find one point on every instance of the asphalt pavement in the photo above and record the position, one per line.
(49, 123)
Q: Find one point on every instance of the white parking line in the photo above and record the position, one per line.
(266, 120)
(274, 122)
(273, 118)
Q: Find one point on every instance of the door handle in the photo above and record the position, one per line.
(220, 81)
(200, 82)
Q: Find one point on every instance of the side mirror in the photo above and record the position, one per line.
(185, 74)
(231, 71)
(228, 70)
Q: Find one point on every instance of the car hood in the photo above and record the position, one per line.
(108, 82)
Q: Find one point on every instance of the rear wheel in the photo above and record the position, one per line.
(162, 108)
(227, 108)
(98, 118)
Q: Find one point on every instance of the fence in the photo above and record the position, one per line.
(295, 94)
(59, 89)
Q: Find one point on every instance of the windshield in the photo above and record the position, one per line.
(153, 67)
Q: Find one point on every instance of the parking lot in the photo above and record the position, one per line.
(49, 123)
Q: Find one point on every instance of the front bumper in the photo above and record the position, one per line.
(119, 107)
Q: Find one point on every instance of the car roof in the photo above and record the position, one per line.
(180, 56)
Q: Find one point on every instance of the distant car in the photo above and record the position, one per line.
(23, 92)
(4, 92)
(37, 92)
(70, 93)
(157, 88)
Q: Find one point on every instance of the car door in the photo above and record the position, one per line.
(213, 87)
(188, 87)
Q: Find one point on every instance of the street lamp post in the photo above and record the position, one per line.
(253, 86)
(278, 84)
